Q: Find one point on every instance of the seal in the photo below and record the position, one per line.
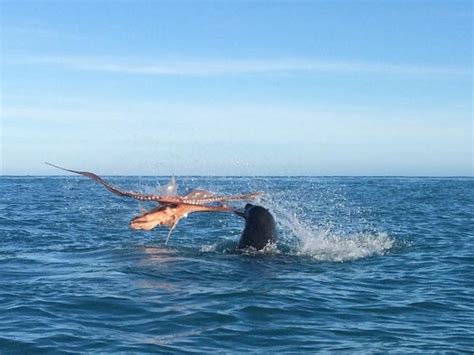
(260, 229)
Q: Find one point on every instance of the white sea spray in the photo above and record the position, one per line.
(324, 243)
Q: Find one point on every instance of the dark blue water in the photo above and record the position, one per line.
(363, 265)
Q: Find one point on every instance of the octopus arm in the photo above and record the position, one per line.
(119, 192)
(202, 200)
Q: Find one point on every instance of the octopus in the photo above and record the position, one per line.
(171, 207)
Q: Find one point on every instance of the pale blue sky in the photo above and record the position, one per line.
(237, 87)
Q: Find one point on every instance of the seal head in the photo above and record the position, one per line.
(260, 229)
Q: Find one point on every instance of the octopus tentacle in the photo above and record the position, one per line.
(213, 199)
(197, 194)
(196, 197)
(117, 191)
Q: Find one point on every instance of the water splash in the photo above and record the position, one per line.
(170, 189)
(324, 243)
(330, 247)
(325, 227)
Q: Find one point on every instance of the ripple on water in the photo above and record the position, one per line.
(362, 265)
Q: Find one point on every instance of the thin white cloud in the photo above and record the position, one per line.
(34, 32)
(239, 67)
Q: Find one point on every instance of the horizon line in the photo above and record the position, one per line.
(246, 176)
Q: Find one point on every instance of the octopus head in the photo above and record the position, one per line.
(162, 216)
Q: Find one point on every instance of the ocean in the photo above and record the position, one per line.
(363, 265)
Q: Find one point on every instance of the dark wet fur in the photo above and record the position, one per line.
(260, 229)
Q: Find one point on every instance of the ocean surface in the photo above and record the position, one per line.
(363, 265)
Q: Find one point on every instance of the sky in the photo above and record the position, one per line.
(237, 87)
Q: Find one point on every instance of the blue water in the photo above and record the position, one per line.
(363, 265)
